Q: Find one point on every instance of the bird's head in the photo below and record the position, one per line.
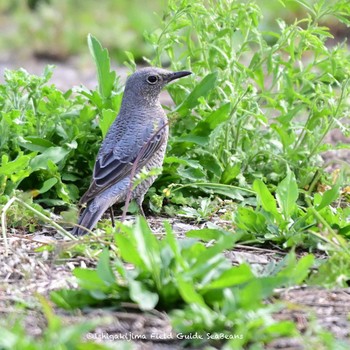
(147, 83)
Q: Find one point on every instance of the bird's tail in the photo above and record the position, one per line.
(89, 219)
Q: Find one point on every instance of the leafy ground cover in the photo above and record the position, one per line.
(244, 162)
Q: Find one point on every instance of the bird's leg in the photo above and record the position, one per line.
(139, 204)
(141, 211)
(112, 215)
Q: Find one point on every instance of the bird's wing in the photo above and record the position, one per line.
(117, 163)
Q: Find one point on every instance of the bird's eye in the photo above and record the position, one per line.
(152, 79)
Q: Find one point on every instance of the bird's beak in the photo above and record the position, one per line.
(177, 75)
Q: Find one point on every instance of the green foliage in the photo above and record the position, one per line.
(47, 138)
(56, 332)
(249, 125)
(197, 285)
(256, 108)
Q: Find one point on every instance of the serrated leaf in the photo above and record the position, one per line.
(106, 77)
(20, 163)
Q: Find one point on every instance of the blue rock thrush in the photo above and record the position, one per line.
(140, 132)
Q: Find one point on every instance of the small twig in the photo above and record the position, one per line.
(4, 224)
(36, 212)
(134, 168)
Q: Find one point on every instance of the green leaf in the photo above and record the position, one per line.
(202, 89)
(230, 173)
(70, 299)
(331, 195)
(207, 234)
(203, 261)
(35, 143)
(48, 184)
(9, 168)
(207, 125)
(266, 199)
(89, 279)
(229, 191)
(296, 271)
(104, 270)
(148, 247)
(287, 194)
(198, 140)
(250, 220)
(53, 154)
(128, 251)
(188, 292)
(106, 77)
(142, 296)
(232, 277)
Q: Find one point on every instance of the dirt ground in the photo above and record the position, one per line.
(25, 272)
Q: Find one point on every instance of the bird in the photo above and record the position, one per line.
(139, 134)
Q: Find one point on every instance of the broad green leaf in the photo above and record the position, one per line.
(202, 89)
(127, 251)
(230, 173)
(229, 191)
(287, 194)
(248, 219)
(106, 77)
(53, 154)
(170, 239)
(70, 299)
(104, 270)
(206, 234)
(144, 298)
(48, 184)
(203, 261)
(257, 289)
(207, 125)
(296, 271)
(147, 246)
(89, 279)
(35, 143)
(198, 140)
(266, 199)
(232, 277)
(189, 162)
(188, 292)
(331, 195)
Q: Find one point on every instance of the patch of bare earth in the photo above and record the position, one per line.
(25, 273)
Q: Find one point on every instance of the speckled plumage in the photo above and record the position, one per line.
(141, 123)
